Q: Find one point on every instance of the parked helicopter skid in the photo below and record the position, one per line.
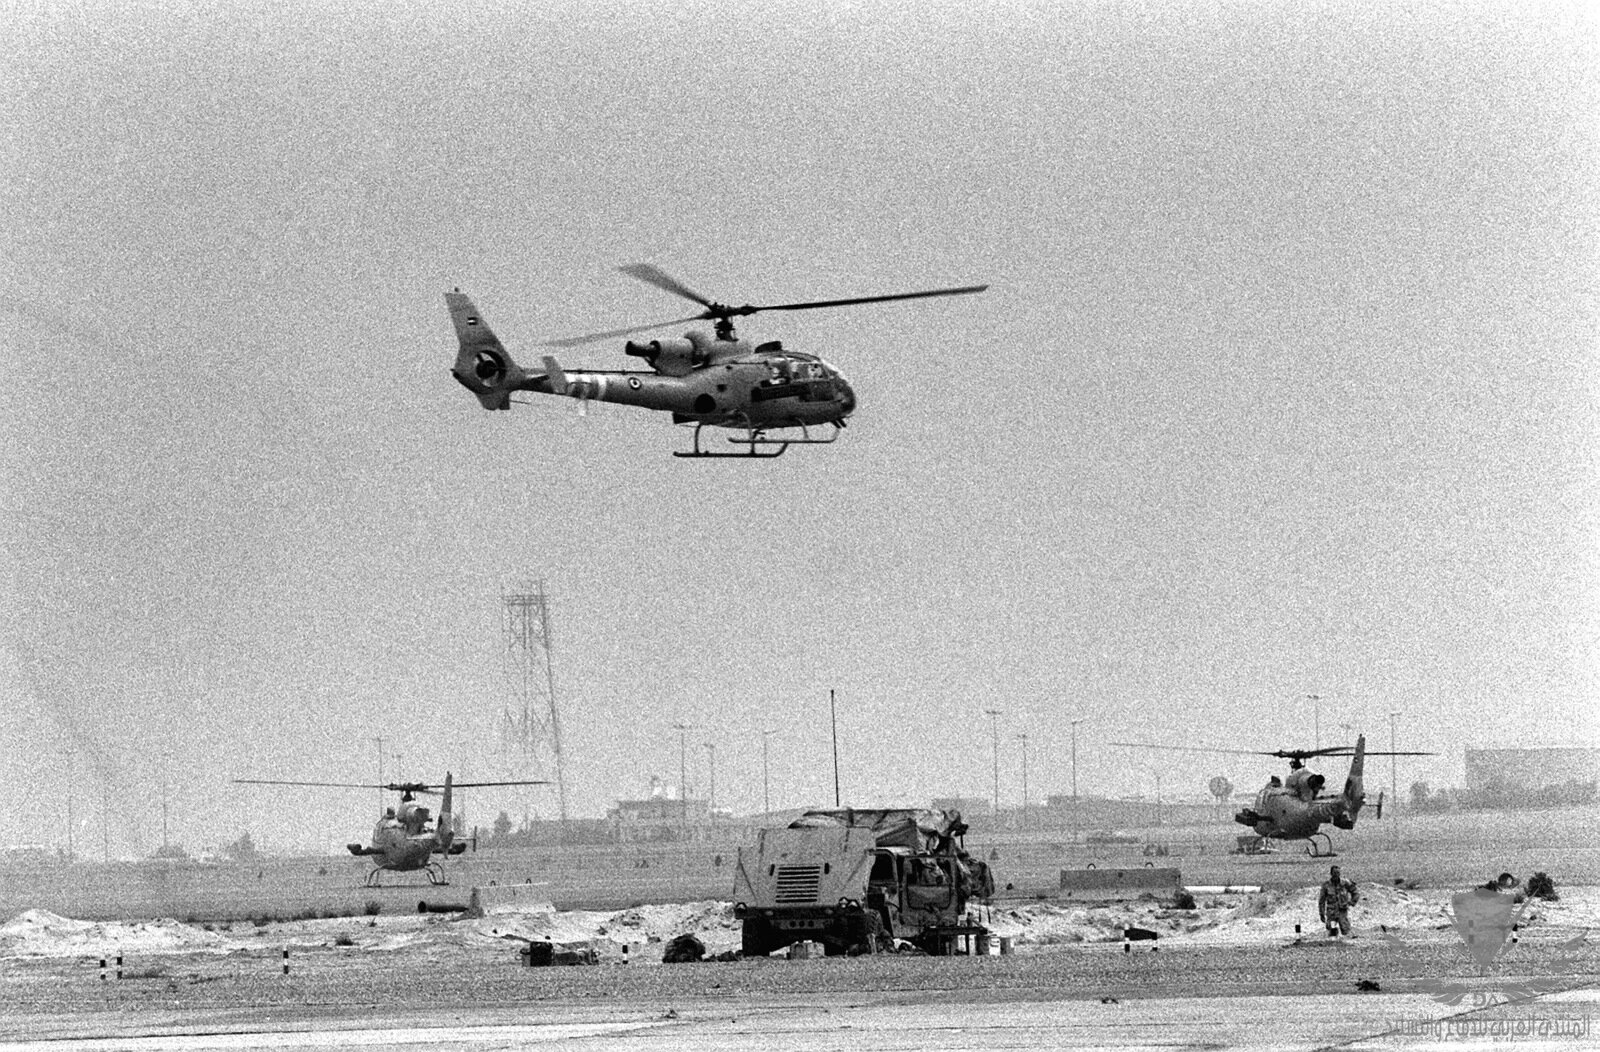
(1317, 845)
(406, 838)
(707, 380)
(1295, 808)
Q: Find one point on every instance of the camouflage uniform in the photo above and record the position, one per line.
(1334, 902)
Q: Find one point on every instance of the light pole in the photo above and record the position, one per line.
(683, 773)
(1394, 777)
(379, 741)
(1023, 738)
(711, 802)
(766, 783)
(1075, 777)
(994, 728)
(1075, 762)
(72, 792)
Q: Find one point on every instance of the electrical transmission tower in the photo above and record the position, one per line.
(531, 726)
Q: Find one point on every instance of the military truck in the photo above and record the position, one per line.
(859, 881)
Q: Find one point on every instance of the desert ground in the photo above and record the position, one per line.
(1231, 973)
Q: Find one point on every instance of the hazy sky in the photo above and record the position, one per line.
(1285, 384)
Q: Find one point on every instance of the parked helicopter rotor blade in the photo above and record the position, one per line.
(1192, 748)
(398, 787)
(1282, 754)
(1340, 750)
(1373, 753)
(654, 275)
(480, 785)
(596, 337)
(323, 785)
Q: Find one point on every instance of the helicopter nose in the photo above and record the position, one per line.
(846, 396)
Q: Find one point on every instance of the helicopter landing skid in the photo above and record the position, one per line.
(434, 870)
(1320, 845)
(757, 436)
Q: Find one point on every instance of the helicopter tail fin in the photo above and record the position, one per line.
(482, 364)
(1354, 794)
(446, 827)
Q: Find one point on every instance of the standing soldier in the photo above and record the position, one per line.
(1334, 902)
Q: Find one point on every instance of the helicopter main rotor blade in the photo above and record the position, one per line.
(1191, 748)
(654, 275)
(398, 787)
(964, 290)
(596, 337)
(480, 785)
(322, 785)
(1402, 754)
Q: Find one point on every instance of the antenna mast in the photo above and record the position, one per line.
(833, 712)
(532, 727)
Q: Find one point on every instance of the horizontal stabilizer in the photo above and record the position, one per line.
(558, 376)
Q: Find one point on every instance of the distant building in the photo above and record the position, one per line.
(1530, 768)
(659, 818)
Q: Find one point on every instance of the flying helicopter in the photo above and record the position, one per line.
(405, 838)
(1294, 807)
(708, 380)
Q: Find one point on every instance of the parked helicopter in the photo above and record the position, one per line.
(405, 840)
(716, 380)
(1295, 807)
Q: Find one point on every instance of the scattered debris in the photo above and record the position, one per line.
(685, 949)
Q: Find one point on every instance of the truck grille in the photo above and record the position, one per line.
(797, 885)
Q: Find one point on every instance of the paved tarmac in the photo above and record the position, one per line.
(1565, 1021)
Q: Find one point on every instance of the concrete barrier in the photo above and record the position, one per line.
(487, 898)
(1118, 883)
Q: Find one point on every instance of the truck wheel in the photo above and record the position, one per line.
(756, 938)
